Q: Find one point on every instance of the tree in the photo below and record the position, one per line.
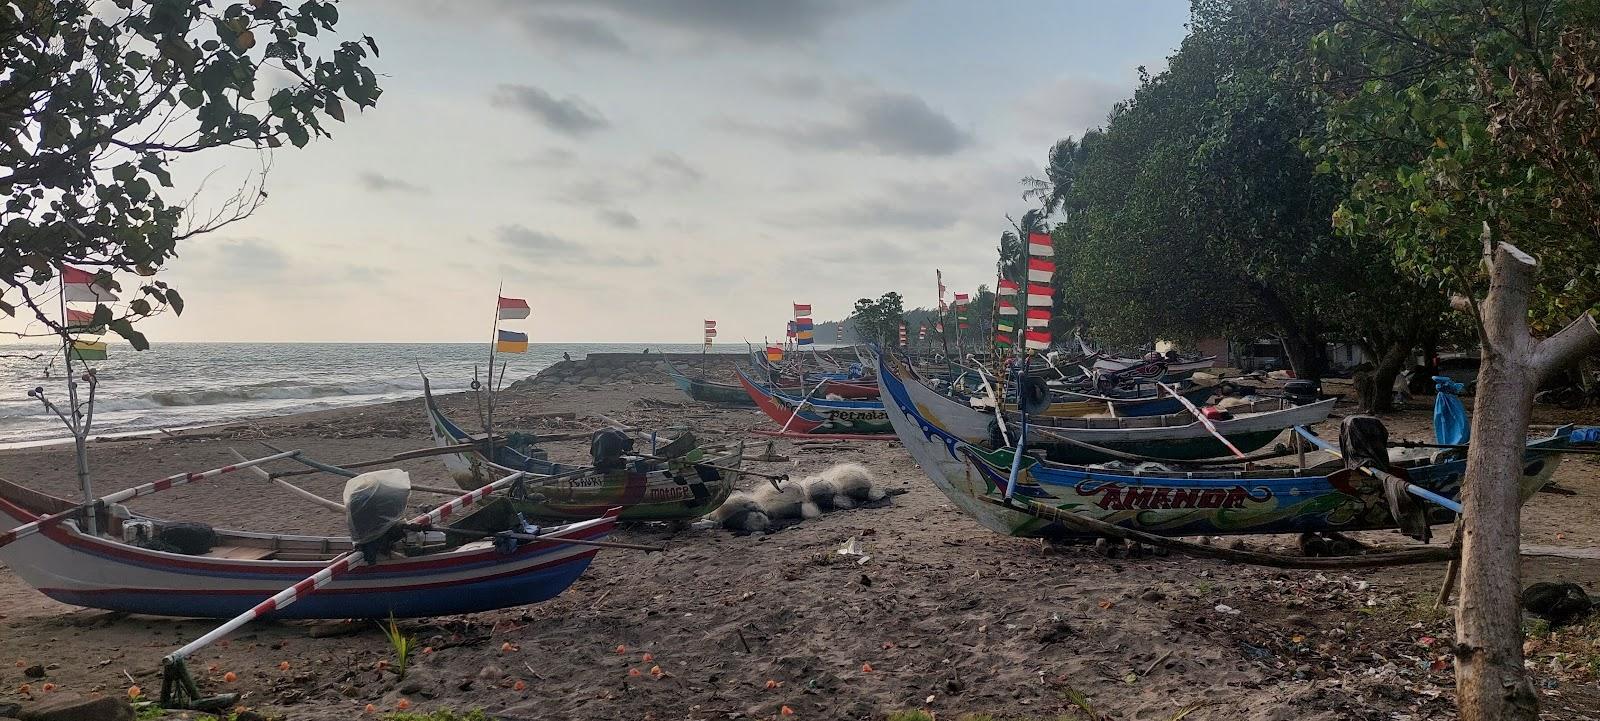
(878, 321)
(98, 99)
(1466, 133)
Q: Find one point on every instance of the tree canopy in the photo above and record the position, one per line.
(98, 99)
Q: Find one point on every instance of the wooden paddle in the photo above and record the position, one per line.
(1204, 421)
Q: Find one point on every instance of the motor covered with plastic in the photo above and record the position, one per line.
(375, 504)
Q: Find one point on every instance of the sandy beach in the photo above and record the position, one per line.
(943, 616)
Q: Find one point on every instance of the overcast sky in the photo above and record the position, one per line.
(632, 167)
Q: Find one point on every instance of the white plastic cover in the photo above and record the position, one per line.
(374, 502)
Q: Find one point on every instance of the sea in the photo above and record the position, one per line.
(183, 385)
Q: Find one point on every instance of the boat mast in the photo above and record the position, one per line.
(75, 419)
(494, 340)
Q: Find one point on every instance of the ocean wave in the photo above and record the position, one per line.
(246, 394)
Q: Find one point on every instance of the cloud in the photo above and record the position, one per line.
(676, 168)
(571, 115)
(551, 157)
(1069, 106)
(905, 206)
(379, 183)
(886, 122)
(547, 248)
(618, 219)
(802, 87)
(568, 32)
(753, 22)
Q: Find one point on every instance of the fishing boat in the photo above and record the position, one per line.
(806, 415)
(685, 486)
(1175, 368)
(1176, 436)
(850, 385)
(243, 568)
(707, 391)
(1325, 496)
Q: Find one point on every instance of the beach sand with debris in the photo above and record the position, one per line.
(939, 615)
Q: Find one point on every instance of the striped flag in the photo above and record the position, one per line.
(711, 332)
(507, 341)
(802, 329)
(79, 320)
(802, 310)
(1005, 326)
(1038, 317)
(513, 308)
(1037, 339)
(1006, 308)
(791, 329)
(1039, 296)
(961, 300)
(902, 334)
(1041, 270)
(1039, 246)
(83, 350)
(1003, 340)
(839, 334)
(774, 353)
(922, 332)
(81, 286)
(1008, 287)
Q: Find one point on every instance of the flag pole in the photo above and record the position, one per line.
(494, 340)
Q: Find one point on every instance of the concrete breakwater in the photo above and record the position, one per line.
(630, 368)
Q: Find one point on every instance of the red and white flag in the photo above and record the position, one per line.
(902, 334)
(1039, 296)
(79, 319)
(802, 310)
(1006, 308)
(1008, 287)
(711, 330)
(513, 308)
(1038, 317)
(1039, 246)
(961, 300)
(81, 286)
(1041, 270)
(1037, 339)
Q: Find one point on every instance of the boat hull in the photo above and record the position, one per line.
(94, 572)
(708, 391)
(818, 416)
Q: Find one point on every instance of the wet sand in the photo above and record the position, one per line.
(944, 616)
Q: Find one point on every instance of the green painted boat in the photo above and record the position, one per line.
(706, 391)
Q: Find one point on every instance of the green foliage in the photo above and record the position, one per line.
(878, 321)
(910, 715)
(1443, 116)
(97, 101)
(401, 644)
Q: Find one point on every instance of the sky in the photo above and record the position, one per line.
(633, 167)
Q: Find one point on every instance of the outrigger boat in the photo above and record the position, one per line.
(813, 416)
(686, 485)
(707, 391)
(242, 568)
(1176, 436)
(975, 475)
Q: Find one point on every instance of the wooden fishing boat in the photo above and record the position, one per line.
(849, 386)
(1323, 497)
(244, 568)
(684, 487)
(801, 415)
(1175, 369)
(707, 391)
(1177, 436)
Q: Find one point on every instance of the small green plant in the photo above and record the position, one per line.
(401, 643)
(911, 715)
(1536, 628)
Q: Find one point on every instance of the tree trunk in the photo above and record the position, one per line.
(1308, 354)
(1379, 392)
(1491, 683)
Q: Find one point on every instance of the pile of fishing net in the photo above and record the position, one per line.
(840, 487)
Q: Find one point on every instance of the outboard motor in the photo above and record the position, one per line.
(608, 446)
(375, 509)
(1302, 392)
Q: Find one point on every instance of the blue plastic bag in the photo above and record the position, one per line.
(1450, 424)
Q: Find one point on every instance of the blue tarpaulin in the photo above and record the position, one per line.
(1450, 424)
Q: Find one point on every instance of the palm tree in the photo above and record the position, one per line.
(1066, 156)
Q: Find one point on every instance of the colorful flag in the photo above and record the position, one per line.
(711, 332)
(88, 351)
(961, 300)
(79, 320)
(81, 286)
(922, 332)
(803, 338)
(839, 332)
(1005, 327)
(791, 329)
(939, 277)
(1039, 296)
(1037, 339)
(1008, 287)
(902, 334)
(1039, 246)
(802, 324)
(511, 342)
(1041, 270)
(774, 353)
(513, 308)
(802, 310)
(1001, 339)
(1006, 308)
(1038, 317)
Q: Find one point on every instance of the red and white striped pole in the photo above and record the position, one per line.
(173, 481)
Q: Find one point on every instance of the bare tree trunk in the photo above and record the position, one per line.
(1308, 354)
(1491, 683)
(1379, 392)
